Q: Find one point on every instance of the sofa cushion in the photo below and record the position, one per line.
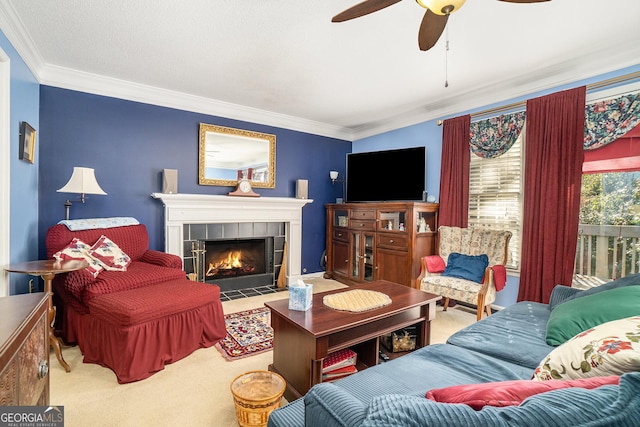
(433, 366)
(77, 281)
(514, 334)
(560, 294)
(612, 348)
(109, 254)
(599, 407)
(327, 405)
(138, 275)
(570, 318)
(79, 251)
(442, 364)
(631, 280)
(137, 306)
(509, 393)
(469, 267)
(458, 289)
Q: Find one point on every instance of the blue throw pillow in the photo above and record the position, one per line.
(470, 267)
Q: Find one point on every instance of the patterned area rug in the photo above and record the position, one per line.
(248, 333)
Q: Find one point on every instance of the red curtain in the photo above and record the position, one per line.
(454, 173)
(553, 167)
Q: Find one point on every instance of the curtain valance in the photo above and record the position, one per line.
(608, 120)
(494, 136)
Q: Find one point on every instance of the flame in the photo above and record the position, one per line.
(232, 260)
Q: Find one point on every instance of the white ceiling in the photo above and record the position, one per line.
(283, 63)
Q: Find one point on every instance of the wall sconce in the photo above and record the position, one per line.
(82, 181)
(334, 178)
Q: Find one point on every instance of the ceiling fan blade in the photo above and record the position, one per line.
(524, 1)
(431, 29)
(364, 8)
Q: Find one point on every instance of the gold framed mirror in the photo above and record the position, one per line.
(228, 155)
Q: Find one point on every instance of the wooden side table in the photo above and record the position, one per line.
(47, 269)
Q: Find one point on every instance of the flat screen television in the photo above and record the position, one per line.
(390, 175)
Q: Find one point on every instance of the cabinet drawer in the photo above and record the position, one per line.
(363, 214)
(33, 353)
(363, 224)
(341, 235)
(395, 241)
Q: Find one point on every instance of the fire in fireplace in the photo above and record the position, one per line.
(238, 263)
(232, 260)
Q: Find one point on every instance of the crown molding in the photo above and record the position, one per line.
(100, 85)
(518, 87)
(13, 29)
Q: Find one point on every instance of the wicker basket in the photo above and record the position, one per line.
(255, 395)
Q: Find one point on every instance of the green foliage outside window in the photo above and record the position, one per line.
(610, 199)
(610, 224)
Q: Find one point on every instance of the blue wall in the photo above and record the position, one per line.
(129, 144)
(24, 106)
(430, 134)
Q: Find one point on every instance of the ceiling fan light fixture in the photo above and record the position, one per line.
(441, 7)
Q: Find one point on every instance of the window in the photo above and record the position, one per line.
(609, 231)
(495, 195)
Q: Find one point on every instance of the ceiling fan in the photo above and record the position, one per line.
(433, 22)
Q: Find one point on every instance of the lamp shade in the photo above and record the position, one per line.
(333, 175)
(82, 181)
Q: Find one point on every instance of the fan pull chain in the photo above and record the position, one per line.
(446, 59)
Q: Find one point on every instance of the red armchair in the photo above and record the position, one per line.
(134, 321)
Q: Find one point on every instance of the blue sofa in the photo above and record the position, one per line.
(508, 345)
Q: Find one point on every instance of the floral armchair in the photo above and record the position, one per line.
(479, 249)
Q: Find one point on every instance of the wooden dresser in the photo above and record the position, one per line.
(24, 350)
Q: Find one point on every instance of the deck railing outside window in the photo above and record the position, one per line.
(606, 252)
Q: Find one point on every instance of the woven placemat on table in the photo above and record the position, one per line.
(356, 300)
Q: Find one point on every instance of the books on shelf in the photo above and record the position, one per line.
(339, 373)
(339, 359)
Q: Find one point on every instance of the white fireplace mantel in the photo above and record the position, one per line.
(181, 209)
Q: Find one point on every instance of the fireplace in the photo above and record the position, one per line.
(189, 217)
(237, 263)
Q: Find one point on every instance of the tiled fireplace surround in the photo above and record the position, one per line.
(189, 217)
(195, 234)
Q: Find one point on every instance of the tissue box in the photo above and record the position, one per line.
(300, 296)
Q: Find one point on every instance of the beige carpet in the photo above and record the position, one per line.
(191, 392)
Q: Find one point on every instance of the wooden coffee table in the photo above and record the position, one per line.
(302, 339)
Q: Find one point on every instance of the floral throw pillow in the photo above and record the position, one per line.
(79, 251)
(109, 255)
(611, 348)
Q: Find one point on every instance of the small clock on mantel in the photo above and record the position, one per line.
(244, 189)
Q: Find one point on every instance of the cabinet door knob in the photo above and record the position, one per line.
(43, 369)
(390, 240)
